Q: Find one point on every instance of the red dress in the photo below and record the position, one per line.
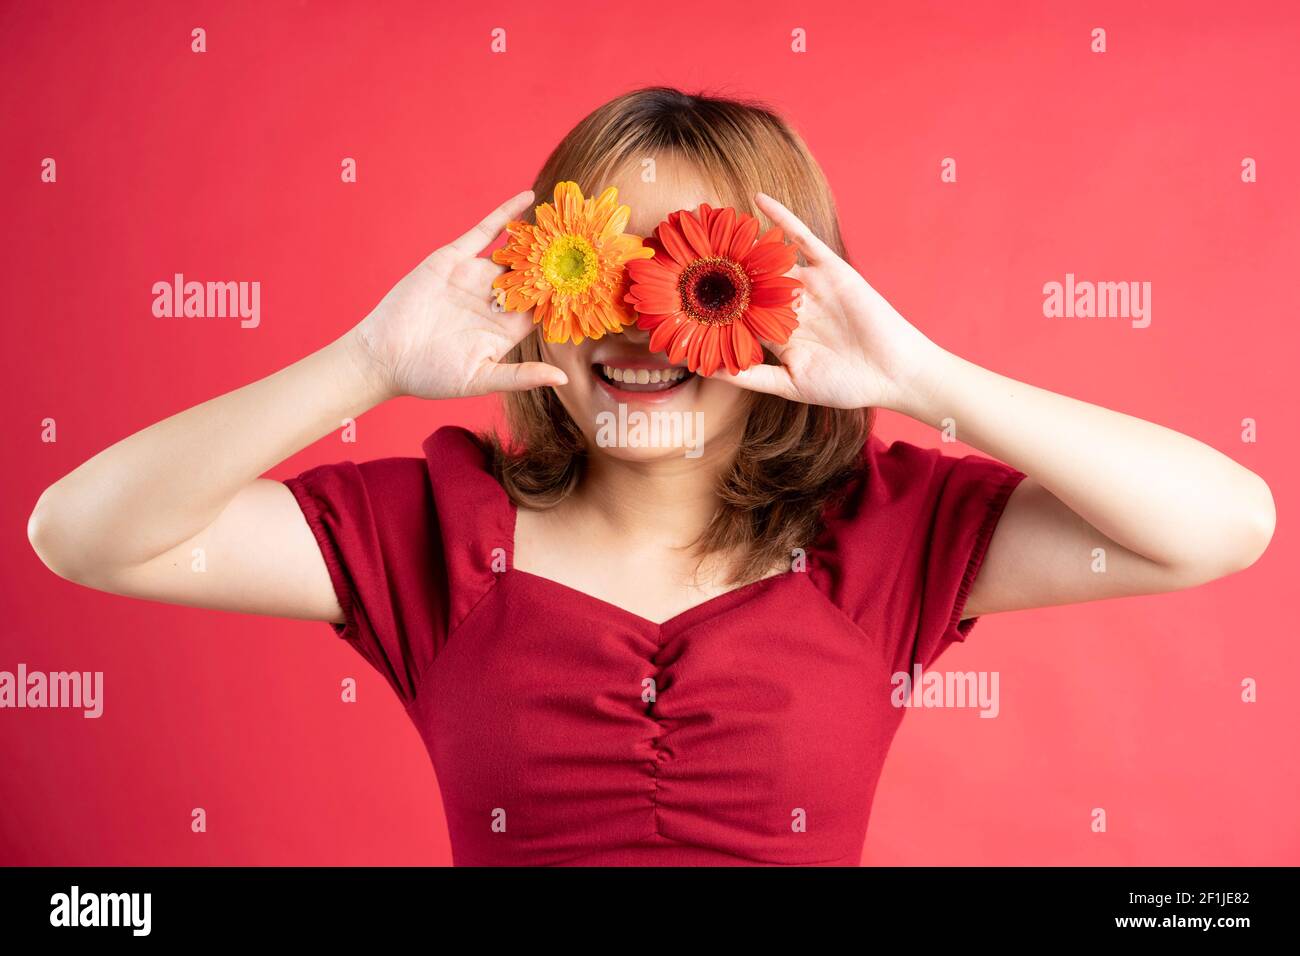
(748, 730)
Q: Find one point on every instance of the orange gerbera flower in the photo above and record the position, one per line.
(569, 268)
(714, 289)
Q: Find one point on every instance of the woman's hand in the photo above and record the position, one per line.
(129, 519)
(851, 349)
(1168, 511)
(436, 333)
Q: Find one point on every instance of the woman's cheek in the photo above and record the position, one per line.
(575, 362)
(724, 407)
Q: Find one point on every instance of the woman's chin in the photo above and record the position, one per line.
(630, 428)
(644, 456)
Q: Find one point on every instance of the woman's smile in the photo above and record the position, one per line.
(641, 379)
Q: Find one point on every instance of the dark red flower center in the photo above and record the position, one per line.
(714, 291)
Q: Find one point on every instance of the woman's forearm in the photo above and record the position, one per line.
(166, 483)
(1159, 493)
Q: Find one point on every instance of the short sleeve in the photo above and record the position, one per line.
(903, 548)
(378, 532)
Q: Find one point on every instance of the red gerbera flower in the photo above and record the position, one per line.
(714, 289)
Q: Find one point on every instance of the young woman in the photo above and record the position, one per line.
(630, 655)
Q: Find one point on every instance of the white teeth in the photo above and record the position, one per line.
(643, 376)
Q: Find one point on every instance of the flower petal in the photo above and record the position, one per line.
(695, 235)
(568, 203)
(774, 291)
(710, 350)
(721, 228)
(659, 269)
(681, 341)
(742, 239)
(745, 345)
(674, 244)
(769, 259)
(663, 333)
(773, 325)
(653, 302)
(728, 342)
(694, 347)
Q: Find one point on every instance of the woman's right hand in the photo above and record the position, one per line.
(130, 519)
(436, 333)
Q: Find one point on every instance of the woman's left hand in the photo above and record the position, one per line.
(1168, 511)
(852, 349)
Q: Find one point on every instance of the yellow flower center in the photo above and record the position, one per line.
(569, 264)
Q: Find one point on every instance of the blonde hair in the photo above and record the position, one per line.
(792, 458)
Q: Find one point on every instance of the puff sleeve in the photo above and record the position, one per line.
(901, 551)
(378, 532)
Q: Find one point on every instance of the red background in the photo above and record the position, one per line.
(225, 166)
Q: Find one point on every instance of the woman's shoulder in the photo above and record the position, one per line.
(899, 470)
(887, 473)
(459, 466)
(451, 481)
(428, 527)
(899, 491)
(457, 446)
(410, 544)
(900, 551)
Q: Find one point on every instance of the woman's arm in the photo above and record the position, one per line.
(130, 519)
(1169, 511)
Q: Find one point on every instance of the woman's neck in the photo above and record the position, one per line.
(668, 501)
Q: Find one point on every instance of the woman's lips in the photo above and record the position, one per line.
(639, 379)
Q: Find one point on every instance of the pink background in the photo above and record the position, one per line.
(225, 166)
